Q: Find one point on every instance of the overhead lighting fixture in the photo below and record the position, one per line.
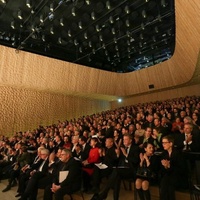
(108, 5)
(126, 9)
(19, 14)
(28, 3)
(144, 14)
(80, 50)
(116, 48)
(115, 40)
(101, 38)
(156, 29)
(93, 16)
(52, 30)
(141, 36)
(106, 52)
(90, 44)
(93, 51)
(3, 1)
(87, 2)
(61, 22)
(41, 18)
(51, 8)
(60, 40)
(127, 23)
(113, 31)
(69, 33)
(12, 25)
(80, 25)
(85, 35)
(75, 42)
(163, 3)
(111, 19)
(43, 38)
(97, 28)
(73, 11)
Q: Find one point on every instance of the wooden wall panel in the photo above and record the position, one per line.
(161, 95)
(22, 109)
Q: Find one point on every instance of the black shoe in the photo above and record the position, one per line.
(18, 195)
(6, 189)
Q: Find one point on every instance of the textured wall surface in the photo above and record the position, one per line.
(162, 95)
(23, 109)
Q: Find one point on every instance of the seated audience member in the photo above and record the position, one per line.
(188, 140)
(38, 171)
(173, 172)
(157, 139)
(127, 165)
(139, 130)
(196, 119)
(22, 159)
(117, 138)
(146, 137)
(177, 125)
(88, 164)
(148, 162)
(65, 184)
(67, 142)
(109, 159)
(58, 143)
(85, 148)
(7, 162)
(27, 171)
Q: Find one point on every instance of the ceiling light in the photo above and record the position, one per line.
(87, 2)
(116, 48)
(113, 31)
(103, 46)
(51, 30)
(69, 33)
(108, 5)
(80, 25)
(111, 19)
(43, 38)
(108, 58)
(156, 29)
(115, 40)
(141, 36)
(51, 7)
(126, 9)
(163, 3)
(127, 23)
(75, 42)
(106, 52)
(28, 3)
(19, 14)
(41, 18)
(60, 40)
(100, 38)
(140, 44)
(128, 43)
(85, 35)
(12, 25)
(97, 28)
(93, 51)
(73, 11)
(144, 14)
(32, 27)
(93, 16)
(3, 1)
(80, 50)
(90, 44)
(154, 38)
(142, 26)
(61, 22)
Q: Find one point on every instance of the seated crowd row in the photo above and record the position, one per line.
(145, 143)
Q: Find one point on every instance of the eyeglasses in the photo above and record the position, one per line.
(165, 142)
(63, 154)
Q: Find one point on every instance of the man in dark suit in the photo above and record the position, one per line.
(28, 170)
(38, 171)
(128, 163)
(188, 140)
(66, 179)
(109, 159)
(85, 148)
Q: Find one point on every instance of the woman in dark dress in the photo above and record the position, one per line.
(173, 169)
(149, 161)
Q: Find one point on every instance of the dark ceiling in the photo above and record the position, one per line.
(113, 35)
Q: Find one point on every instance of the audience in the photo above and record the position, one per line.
(104, 137)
